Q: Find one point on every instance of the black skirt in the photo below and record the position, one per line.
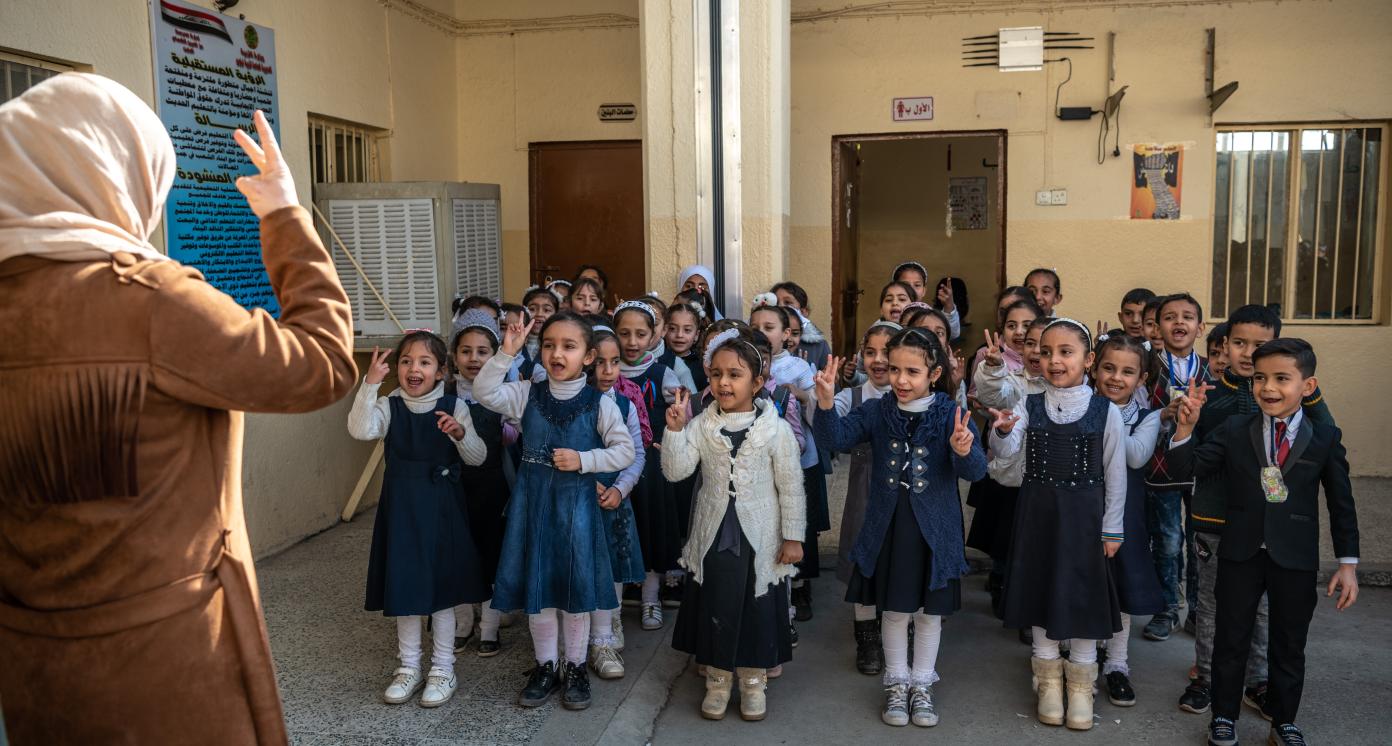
(656, 513)
(993, 523)
(721, 621)
(903, 571)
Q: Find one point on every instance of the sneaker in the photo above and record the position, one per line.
(632, 595)
(1196, 698)
(488, 648)
(1119, 691)
(461, 642)
(792, 633)
(404, 685)
(542, 682)
(652, 616)
(577, 687)
(802, 602)
(606, 662)
(896, 708)
(1160, 626)
(616, 627)
(1285, 735)
(439, 687)
(1191, 624)
(670, 594)
(921, 710)
(1222, 732)
(1255, 697)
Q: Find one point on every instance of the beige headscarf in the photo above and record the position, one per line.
(85, 167)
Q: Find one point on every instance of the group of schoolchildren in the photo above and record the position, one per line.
(562, 458)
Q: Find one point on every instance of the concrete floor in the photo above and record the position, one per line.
(333, 660)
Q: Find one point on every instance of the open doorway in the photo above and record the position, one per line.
(937, 198)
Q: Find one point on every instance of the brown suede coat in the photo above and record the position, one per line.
(128, 604)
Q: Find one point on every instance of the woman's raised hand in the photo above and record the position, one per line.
(378, 369)
(273, 188)
(515, 336)
(826, 382)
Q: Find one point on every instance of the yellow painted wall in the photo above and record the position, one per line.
(903, 215)
(351, 59)
(537, 87)
(1296, 61)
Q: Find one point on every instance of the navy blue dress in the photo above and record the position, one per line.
(1133, 567)
(659, 517)
(555, 554)
(423, 557)
(620, 529)
(1058, 577)
(486, 491)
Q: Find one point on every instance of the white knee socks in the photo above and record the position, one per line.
(894, 635)
(602, 627)
(1117, 649)
(408, 640)
(927, 636)
(651, 583)
(577, 635)
(864, 613)
(489, 620)
(545, 635)
(1080, 651)
(463, 620)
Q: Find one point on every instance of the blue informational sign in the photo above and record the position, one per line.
(211, 73)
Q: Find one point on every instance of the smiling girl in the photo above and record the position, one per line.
(909, 557)
(893, 298)
(423, 560)
(570, 434)
(683, 327)
(1072, 500)
(746, 530)
(1119, 372)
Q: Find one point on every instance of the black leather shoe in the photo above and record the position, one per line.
(577, 687)
(542, 682)
(802, 602)
(488, 648)
(792, 633)
(869, 651)
(1119, 691)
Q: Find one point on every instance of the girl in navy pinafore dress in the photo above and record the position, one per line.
(555, 556)
(423, 560)
(1068, 521)
(1120, 370)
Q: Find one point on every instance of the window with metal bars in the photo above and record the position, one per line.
(1297, 221)
(19, 74)
(342, 152)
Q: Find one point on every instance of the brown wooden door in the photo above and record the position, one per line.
(587, 208)
(847, 294)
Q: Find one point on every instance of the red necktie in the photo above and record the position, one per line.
(1283, 445)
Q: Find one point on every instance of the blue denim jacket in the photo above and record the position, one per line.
(930, 477)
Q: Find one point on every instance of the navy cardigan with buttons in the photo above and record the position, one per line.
(924, 464)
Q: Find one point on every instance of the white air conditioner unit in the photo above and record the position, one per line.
(421, 243)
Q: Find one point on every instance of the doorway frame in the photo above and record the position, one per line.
(534, 269)
(837, 207)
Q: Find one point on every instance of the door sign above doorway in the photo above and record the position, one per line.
(617, 112)
(912, 109)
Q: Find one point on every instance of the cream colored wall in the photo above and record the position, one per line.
(537, 87)
(903, 215)
(1296, 61)
(351, 59)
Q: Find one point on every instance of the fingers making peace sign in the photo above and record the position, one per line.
(676, 413)
(826, 382)
(273, 188)
(378, 369)
(516, 335)
(962, 437)
(993, 348)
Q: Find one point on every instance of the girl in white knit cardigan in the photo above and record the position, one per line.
(747, 526)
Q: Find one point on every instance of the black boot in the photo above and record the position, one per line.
(802, 602)
(995, 585)
(542, 682)
(869, 651)
(577, 687)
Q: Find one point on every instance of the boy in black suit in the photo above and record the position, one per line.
(1274, 463)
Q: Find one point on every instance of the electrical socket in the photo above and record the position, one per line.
(1043, 198)
(1058, 197)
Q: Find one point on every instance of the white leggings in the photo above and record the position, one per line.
(1079, 651)
(408, 640)
(894, 635)
(1116, 649)
(489, 620)
(864, 613)
(545, 631)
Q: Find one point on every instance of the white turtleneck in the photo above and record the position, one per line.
(670, 380)
(920, 404)
(510, 400)
(1065, 406)
(628, 478)
(370, 418)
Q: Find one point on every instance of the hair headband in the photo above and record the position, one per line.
(554, 283)
(548, 290)
(404, 332)
(601, 328)
(1087, 333)
(637, 306)
(915, 265)
(762, 300)
(493, 333)
(697, 311)
(723, 338)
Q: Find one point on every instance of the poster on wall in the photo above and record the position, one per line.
(211, 73)
(966, 201)
(1157, 177)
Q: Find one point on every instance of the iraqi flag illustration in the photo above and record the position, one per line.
(193, 19)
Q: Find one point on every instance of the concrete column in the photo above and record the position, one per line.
(667, 33)
(764, 135)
